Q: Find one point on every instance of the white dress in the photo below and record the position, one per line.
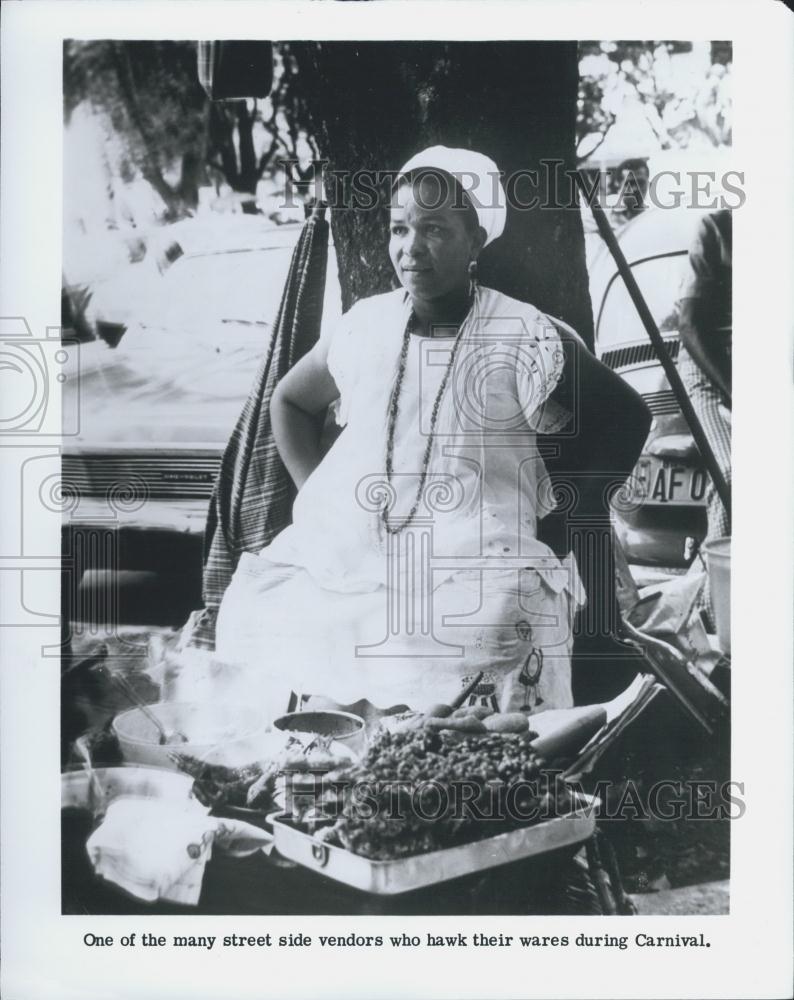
(337, 606)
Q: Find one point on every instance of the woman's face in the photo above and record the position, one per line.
(431, 244)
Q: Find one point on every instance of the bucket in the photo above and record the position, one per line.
(718, 562)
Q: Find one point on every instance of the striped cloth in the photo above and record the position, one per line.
(252, 498)
(707, 279)
(714, 413)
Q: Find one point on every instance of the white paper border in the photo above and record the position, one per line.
(751, 949)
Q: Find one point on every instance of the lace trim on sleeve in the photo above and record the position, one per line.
(537, 375)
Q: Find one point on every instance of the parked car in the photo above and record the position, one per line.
(157, 402)
(670, 480)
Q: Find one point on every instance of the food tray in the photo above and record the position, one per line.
(389, 878)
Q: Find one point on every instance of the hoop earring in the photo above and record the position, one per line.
(473, 278)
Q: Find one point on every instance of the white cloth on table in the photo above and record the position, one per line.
(157, 848)
(154, 848)
(346, 610)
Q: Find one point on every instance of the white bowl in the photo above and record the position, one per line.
(144, 782)
(205, 724)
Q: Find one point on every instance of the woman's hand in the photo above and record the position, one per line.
(296, 411)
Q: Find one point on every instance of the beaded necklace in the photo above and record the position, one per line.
(394, 407)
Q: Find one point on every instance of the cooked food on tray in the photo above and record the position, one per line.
(423, 791)
(253, 786)
(216, 785)
(463, 719)
(313, 752)
(479, 720)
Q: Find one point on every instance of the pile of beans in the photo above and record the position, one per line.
(420, 791)
(423, 756)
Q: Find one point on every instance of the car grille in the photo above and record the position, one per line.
(138, 477)
(661, 403)
(637, 354)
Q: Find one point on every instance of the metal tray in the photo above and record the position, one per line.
(389, 878)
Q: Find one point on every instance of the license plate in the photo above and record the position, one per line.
(662, 483)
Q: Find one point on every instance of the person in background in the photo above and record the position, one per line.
(633, 179)
(623, 200)
(704, 360)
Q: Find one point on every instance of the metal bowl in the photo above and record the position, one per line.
(342, 727)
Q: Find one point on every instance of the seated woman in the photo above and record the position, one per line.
(413, 561)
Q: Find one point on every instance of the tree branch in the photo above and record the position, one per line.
(583, 159)
(150, 168)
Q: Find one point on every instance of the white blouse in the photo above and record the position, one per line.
(481, 496)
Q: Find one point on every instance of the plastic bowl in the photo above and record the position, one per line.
(343, 727)
(205, 724)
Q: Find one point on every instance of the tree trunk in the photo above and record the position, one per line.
(221, 152)
(149, 165)
(190, 179)
(249, 172)
(374, 104)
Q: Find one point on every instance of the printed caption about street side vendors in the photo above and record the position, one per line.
(425, 941)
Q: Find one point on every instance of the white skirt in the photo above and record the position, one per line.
(278, 630)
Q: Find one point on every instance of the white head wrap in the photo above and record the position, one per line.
(477, 174)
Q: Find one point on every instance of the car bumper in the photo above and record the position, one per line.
(660, 536)
(184, 516)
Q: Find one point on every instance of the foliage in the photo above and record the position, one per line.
(642, 72)
(266, 131)
(153, 103)
(173, 136)
(155, 107)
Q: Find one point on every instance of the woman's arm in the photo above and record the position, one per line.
(705, 299)
(611, 419)
(609, 426)
(707, 350)
(304, 393)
